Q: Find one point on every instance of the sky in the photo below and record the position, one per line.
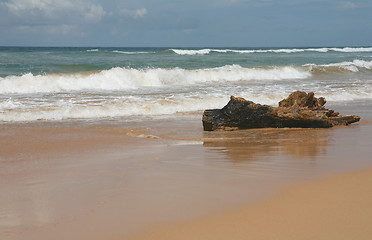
(186, 23)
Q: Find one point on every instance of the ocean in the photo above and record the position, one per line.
(68, 83)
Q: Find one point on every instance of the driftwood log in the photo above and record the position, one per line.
(299, 110)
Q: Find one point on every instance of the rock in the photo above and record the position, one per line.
(299, 110)
(302, 99)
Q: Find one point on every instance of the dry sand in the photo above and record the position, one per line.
(335, 208)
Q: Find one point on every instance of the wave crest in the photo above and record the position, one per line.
(354, 66)
(128, 78)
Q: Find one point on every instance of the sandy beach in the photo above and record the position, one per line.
(164, 178)
(337, 207)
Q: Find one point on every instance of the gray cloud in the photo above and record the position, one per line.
(348, 5)
(51, 10)
(53, 17)
(136, 13)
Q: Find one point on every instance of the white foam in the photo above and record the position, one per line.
(191, 52)
(352, 49)
(9, 103)
(153, 105)
(283, 50)
(130, 53)
(128, 78)
(132, 106)
(92, 50)
(76, 106)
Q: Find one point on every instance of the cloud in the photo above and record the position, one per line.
(251, 2)
(95, 13)
(137, 13)
(348, 5)
(17, 7)
(53, 17)
(55, 9)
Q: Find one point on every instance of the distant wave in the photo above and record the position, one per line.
(283, 50)
(207, 51)
(126, 52)
(118, 51)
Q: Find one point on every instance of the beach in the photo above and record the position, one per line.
(108, 143)
(107, 180)
(337, 207)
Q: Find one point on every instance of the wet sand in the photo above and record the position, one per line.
(118, 179)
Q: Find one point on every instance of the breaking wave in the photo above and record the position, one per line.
(118, 79)
(129, 78)
(354, 66)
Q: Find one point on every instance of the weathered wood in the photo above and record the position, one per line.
(300, 110)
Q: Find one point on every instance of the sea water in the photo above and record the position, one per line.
(51, 84)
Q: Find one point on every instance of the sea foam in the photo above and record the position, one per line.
(20, 110)
(118, 107)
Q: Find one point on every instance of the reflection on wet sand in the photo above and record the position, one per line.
(248, 145)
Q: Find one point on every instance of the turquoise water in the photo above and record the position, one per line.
(93, 83)
(22, 60)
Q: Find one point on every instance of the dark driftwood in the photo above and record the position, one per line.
(299, 110)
